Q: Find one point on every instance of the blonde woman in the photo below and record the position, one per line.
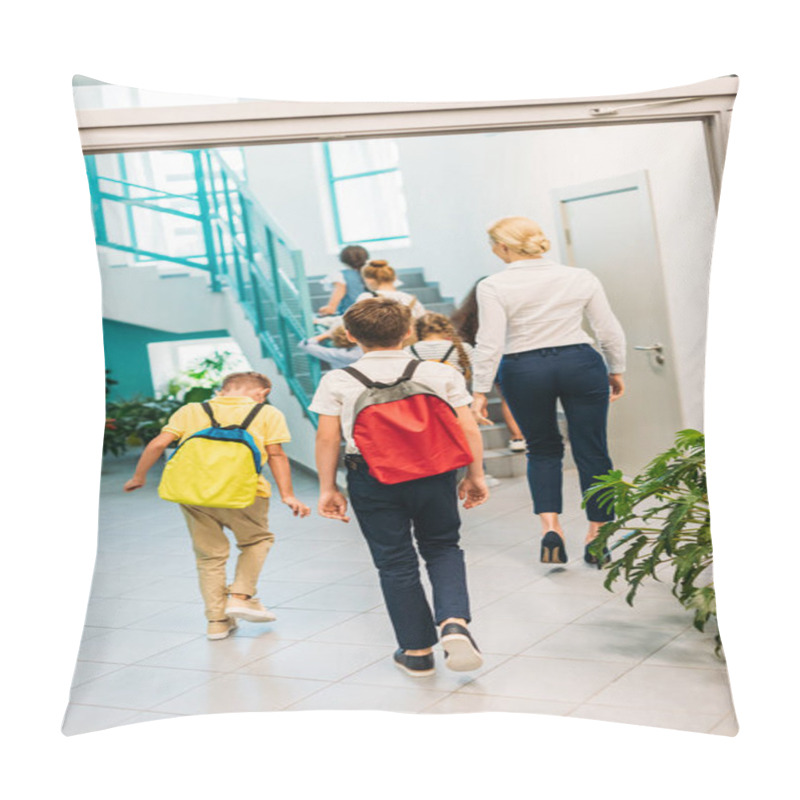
(530, 337)
(380, 278)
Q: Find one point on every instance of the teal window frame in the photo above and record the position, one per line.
(337, 220)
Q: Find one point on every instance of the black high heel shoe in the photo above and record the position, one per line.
(553, 550)
(591, 558)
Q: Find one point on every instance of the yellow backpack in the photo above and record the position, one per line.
(216, 467)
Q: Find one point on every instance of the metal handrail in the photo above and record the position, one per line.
(246, 251)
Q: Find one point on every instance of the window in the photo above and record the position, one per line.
(366, 192)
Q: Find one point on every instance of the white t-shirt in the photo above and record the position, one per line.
(337, 392)
(417, 309)
(436, 349)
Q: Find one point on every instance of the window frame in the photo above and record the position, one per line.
(332, 180)
(271, 122)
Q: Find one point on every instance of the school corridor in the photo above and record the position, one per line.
(554, 640)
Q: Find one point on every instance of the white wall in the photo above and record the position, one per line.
(456, 185)
(460, 184)
(140, 296)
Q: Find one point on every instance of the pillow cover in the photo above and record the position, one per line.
(220, 258)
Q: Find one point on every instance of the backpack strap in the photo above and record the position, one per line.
(447, 354)
(411, 367)
(359, 376)
(414, 351)
(207, 409)
(251, 416)
(407, 373)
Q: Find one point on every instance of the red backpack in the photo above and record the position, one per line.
(405, 431)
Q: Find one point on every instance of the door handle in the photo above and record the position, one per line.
(658, 349)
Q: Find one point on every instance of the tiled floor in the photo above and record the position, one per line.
(554, 640)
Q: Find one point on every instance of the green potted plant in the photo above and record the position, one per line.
(200, 381)
(133, 422)
(665, 515)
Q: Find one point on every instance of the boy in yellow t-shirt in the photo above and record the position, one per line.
(225, 604)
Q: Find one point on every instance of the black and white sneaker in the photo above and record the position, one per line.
(461, 654)
(416, 666)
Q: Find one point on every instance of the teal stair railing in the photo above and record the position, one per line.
(242, 248)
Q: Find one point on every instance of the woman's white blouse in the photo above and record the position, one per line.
(540, 303)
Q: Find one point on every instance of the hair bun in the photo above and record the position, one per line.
(536, 244)
(379, 263)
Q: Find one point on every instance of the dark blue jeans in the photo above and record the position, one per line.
(387, 515)
(532, 382)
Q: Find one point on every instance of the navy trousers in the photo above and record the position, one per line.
(391, 517)
(532, 382)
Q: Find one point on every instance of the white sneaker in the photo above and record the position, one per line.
(250, 610)
(491, 480)
(221, 629)
(517, 446)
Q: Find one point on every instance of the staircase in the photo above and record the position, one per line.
(248, 278)
(413, 282)
(229, 246)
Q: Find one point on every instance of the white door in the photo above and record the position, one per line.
(608, 227)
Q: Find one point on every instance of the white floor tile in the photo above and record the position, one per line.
(321, 661)
(117, 612)
(315, 570)
(273, 592)
(555, 641)
(727, 726)
(362, 629)
(531, 606)
(601, 643)
(385, 673)
(558, 679)
(150, 716)
(125, 646)
(693, 690)
(365, 577)
(237, 692)
(507, 635)
(461, 703)
(86, 671)
(299, 623)
(690, 649)
(85, 719)
(657, 612)
(138, 688)
(178, 617)
(338, 597)
(348, 697)
(183, 589)
(224, 655)
(111, 584)
(511, 578)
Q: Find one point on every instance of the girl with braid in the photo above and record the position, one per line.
(437, 340)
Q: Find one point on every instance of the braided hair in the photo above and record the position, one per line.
(440, 325)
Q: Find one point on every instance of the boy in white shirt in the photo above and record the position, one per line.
(386, 511)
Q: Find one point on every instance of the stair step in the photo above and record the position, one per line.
(495, 437)
(446, 307)
(412, 278)
(504, 464)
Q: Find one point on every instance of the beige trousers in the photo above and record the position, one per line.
(211, 549)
